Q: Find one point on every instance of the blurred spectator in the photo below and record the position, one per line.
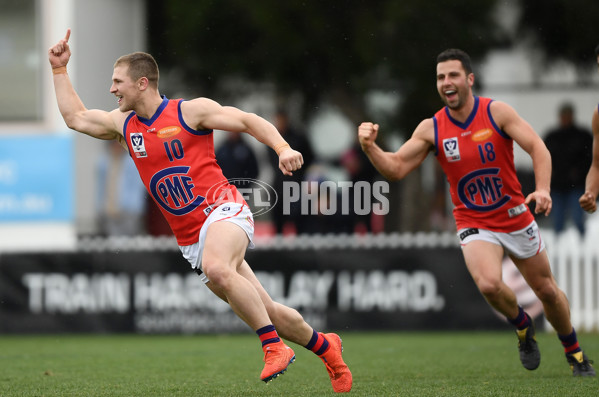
(570, 148)
(298, 141)
(326, 198)
(359, 168)
(157, 224)
(237, 159)
(122, 196)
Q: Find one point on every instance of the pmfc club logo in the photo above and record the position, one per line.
(172, 189)
(481, 190)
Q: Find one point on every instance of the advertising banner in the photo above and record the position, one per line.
(36, 193)
(36, 178)
(157, 292)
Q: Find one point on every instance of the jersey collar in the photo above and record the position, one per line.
(466, 123)
(159, 111)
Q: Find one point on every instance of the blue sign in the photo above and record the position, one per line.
(36, 178)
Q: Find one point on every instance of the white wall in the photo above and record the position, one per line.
(102, 31)
(511, 77)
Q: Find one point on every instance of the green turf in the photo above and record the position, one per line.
(383, 364)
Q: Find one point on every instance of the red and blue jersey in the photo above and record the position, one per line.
(478, 160)
(178, 166)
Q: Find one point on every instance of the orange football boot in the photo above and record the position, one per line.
(341, 377)
(277, 357)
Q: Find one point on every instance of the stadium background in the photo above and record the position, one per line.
(56, 275)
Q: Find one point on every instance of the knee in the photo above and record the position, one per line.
(547, 293)
(490, 288)
(217, 272)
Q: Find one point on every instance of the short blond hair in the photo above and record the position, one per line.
(140, 64)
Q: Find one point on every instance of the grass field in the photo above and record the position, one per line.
(383, 364)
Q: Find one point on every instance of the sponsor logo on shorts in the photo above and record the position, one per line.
(468, 232)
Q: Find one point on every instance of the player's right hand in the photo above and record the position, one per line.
(588, 202)
(367, 133)
(60, 53)
(290, 160)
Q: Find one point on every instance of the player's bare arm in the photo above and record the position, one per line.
(204, 113)
(396, 165)
(588, 201)
(96, 123)
(525, 136)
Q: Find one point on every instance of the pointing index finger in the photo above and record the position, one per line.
(68, 35)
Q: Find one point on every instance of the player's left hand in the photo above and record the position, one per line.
(542, 200)
(290, 160)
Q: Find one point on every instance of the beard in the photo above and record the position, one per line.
(456, 102)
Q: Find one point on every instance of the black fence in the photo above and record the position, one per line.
(156, 291)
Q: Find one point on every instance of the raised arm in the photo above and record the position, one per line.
(96, 123)
(525, 136)
(204, 113)
(396, 165)
(588, 201)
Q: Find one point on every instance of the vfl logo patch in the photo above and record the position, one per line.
(531, 233)
(468, 232)
(172, 189)
(138, 145)
(451, 149)
(481, 190)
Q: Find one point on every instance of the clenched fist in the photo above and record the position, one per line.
(588, 202)
(290, 160)
(367, 133)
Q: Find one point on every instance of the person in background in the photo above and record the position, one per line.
(359, 169)
(472, 138)
(570, 148)
(588, 201)
(171, 143)
(122, 196)
(237, 159)
(297, 139)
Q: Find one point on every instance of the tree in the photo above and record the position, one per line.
(563, 30)
(327, 50)
(333, 51)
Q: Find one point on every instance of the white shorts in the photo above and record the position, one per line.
(236, 213)
(522, 244)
